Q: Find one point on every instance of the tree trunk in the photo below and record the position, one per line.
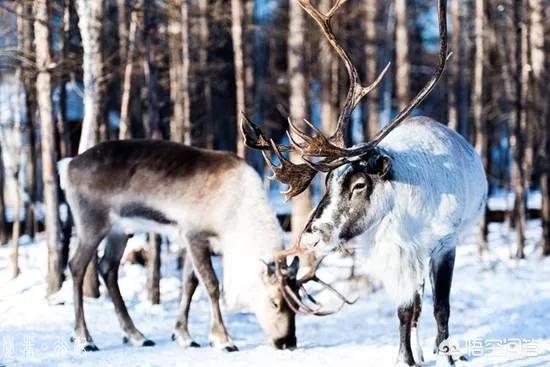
(301, 204)
(64, 38)
(402, 63)
(3, 222)
(185, 95)
(124, 128)
(516, 137)
(454, 67)
(16, 153)
(545, 176)
(47, 135)
(90, 15)
(122, 31)
(477, 105)
(538, 86)
(204, 37)
(175, 39)
(153, 269)
(27, 80)
(237, 17)
(151, 72)
(326, 61)
(90, 19)
(371, 55)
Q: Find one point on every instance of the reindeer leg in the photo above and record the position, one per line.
(405, 355)
(415, 341)
(441, 275)
(108, 268)
(202, 263)
(189, 284)
(92, 226)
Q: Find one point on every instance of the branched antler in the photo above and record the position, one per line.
(356, 91)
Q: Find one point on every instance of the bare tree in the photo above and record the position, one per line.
(539, 111)
(204, 36)
(237, 19)
(16, 154)
(153, 269)
(175, 40)
(301, 205)
(3, 222)
(124, 129)
(478, 103)
(517, 143)
(90, 20)
(47, 134)
(185, 96)
(326, 66)
(402, 61)
(372, 28)
(454, 68)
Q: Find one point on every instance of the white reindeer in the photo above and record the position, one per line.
(213, 201)
(412, 191)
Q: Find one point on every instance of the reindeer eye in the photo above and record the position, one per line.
(274, 304)
(359, 186)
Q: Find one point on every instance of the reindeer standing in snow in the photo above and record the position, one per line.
(412, 190)
(213, 201)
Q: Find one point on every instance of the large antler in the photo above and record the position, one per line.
(296, 176)
(346, 155)
(291, 288)
(356, 91)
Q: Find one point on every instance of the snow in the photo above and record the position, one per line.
(499, 300)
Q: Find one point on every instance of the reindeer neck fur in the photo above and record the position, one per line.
(437, 192)
(183, 192)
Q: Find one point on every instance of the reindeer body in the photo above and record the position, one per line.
(436, 192)
(410, 202)
(211, 201)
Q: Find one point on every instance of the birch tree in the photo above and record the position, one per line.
(326, 66)
(516, 136)
(185, 96)
(90, 15)
(402, 62)
(47, 137)
(372, 8)
(538, 86)
(301, 204)
(478, 103)
(3, 222)
(237, 17)
(124, 128)
(204, 35)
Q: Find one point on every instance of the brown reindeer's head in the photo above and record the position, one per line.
(273, 313)
(353, 172)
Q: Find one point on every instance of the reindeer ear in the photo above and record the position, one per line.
(380, 165)
(270, 268)
(294, 267)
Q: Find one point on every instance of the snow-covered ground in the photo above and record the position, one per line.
(500, 316)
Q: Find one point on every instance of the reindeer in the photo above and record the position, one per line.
(410, 192)
(212, 201)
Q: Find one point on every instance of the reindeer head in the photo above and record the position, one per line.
(273, 313)
(353, 173)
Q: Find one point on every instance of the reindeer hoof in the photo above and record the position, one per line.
(148, 343)
(186, 343)
(231, 348)
(90, 348)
